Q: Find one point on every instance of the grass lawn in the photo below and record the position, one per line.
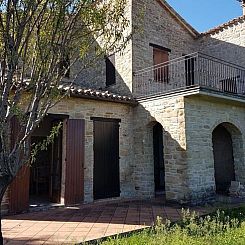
(226, 227)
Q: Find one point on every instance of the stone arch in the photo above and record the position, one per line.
(237, 148)
(228, 121)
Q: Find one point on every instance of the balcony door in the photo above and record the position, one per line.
(190, 70)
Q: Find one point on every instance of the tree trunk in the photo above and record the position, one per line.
(3, 187)
(1, 234)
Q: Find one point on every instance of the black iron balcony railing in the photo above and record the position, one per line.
(195, 69)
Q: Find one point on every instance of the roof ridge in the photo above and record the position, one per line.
(224, 25)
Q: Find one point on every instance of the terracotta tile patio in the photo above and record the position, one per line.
(86, 222)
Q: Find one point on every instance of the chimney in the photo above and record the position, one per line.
(243, 7)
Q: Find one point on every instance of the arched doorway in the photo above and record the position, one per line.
(159, 170)
(223, 159)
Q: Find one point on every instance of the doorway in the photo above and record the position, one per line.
(106, 183)
(159, 169)
(45, 172)
(190, 70)
(223, 159)
(39, 185)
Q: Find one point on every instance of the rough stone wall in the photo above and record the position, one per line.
(156, 25)
(201, 117)
(228, 44)
(124, 61)
(169, 112)
(95, 75)
(150, 23)
(78, 108)
(85, 109)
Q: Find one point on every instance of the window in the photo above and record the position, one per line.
(110, 70)
(160, 62)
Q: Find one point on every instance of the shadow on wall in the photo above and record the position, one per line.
(103, 73)
(225, 50)
(175, 155)
(97, 74)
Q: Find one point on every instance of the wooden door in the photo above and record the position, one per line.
(223, 159)
(159, 170)
(161, 70)
(106, 159)
(189, 70)
(74, 177)
(19, 191)
(19, 188)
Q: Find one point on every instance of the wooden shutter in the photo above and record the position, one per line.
(161, 70)
(74, 178)
(160, 56)
(110, 70)
(19, 188)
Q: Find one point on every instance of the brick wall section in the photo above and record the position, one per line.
(169, 112)
(228, 44)
(85, 109)
(201, 117)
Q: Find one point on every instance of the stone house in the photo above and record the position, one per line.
(165, 116)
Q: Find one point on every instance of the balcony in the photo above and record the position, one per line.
(193, 70)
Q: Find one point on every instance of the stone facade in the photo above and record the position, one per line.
(227, 44)
(169, 112)
(77, 108)
(201, 118)
(94, 76)
(187, 121)
(85, 109)
(154, 24)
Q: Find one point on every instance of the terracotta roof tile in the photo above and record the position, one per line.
(93, 93)
(223, 26)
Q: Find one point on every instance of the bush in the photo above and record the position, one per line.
(224, 227)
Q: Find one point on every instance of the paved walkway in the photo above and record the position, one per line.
(86, 222)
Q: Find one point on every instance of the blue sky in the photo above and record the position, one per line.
(206, 14)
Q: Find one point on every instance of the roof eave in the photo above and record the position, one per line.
(223, 26)
(182, 21)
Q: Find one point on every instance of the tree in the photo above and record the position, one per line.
(36, 39)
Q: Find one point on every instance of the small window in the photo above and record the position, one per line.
(110, 70)
(161, 65)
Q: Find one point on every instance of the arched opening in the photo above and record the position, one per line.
(159, 170)
(223, 159)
